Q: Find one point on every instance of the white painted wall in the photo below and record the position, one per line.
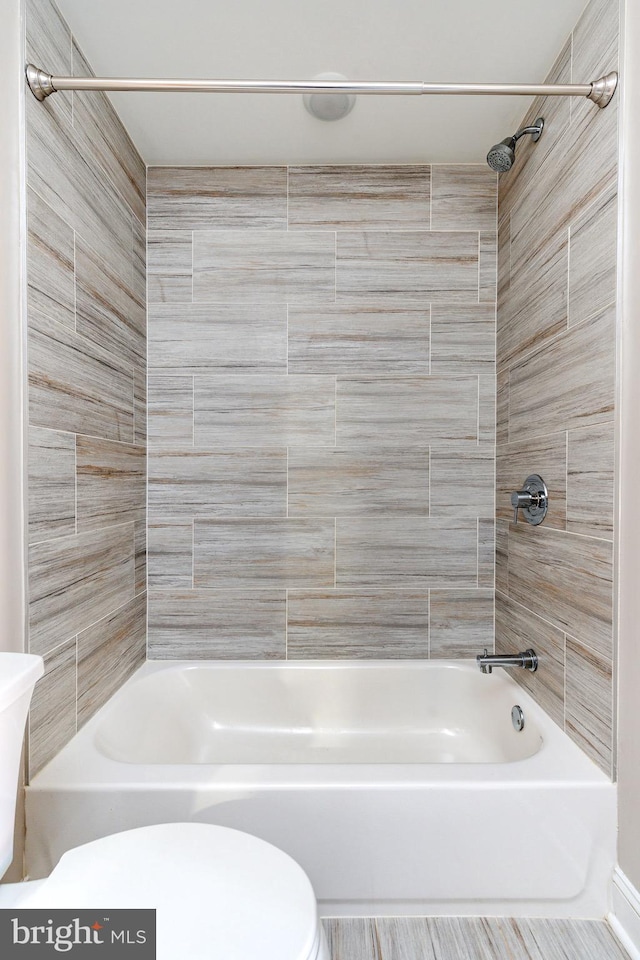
(12, 576)
(629, 524)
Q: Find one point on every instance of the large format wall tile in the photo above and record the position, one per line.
(264, 411)
(408, 265)
(589, 702)
(76, 386)
(590, 480)
(52, 718)
(75, 581)
(406, 552)
(50, 263)
(573, 579)
(544, 455)
(170, 554)
(256, 266)
(187, 483)
(236, 554)
(345, 482)
(212, 625)
(568, 383)
(461, 483)
(463, 339)
(170, 266)
(51, 484)
(352, 340)
(592, 270)
(463, 197)
(111, 483)
(406, 411)
(460, 622)
(108, 653)
(372, 197)
(339, 624)
(195, 198)
(197, 338)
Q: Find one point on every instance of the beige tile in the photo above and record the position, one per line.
(486, 552)
(198, 338)
(352, 939)
(589, 702)
(52, 718)
(407, 265)
(488, 267)
(460, 622)
(405, 552)
(502, 405)
(568, 383)
(535, 309)
(475, 938)
(74, 581)
(102, 137)
(593, 261)
(111, 483)
(463, 197)
(185, 483)
(212, 198)
(546, 456)
(542, 939)
(284, 553)
(170, 266)
(504, 258)
(573, 579)
(140, 535)
(264, 266)
(462, 483)
(170, 554)
(359, 340)
(140, 405)
(76, 187)
(463, 339)
(406, 411)
(108, 653)
(405, 938)
(338, 482)
(590, 480)
(487, 409)
(502, 556)
(212, 625)
(170, 405)
(364, 624)
(375, 197)
(50, 281)
(139, 260)
(51, 485)
(75, 386)
(107, 313)
(236, 411)
(518, 628)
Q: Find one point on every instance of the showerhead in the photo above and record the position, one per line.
(501, 156)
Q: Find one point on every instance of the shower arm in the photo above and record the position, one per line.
(43, 84)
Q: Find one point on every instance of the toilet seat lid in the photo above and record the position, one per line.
(218, 892)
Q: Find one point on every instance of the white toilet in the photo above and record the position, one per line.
(217, 892)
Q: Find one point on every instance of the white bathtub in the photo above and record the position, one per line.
(401, 788)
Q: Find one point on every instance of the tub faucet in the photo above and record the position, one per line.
(527, 659)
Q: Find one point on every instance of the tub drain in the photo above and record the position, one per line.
(517, 717)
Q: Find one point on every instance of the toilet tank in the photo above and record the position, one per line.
(18, 675)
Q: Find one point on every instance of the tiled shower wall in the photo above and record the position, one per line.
(321, 411)
(87, 405)
(556, 393)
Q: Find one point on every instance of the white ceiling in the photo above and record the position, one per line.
(435, 40)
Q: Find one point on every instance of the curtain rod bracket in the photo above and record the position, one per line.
(40, 83)
(602, 90)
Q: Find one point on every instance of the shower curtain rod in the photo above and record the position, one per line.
(600, 91)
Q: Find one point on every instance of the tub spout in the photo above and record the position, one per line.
(527, 659)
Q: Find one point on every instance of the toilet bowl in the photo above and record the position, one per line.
(217, 892)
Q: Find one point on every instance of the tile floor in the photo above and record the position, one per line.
(471, 938)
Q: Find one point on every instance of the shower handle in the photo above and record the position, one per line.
(533, 500)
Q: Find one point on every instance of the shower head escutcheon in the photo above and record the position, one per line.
(501, 156)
